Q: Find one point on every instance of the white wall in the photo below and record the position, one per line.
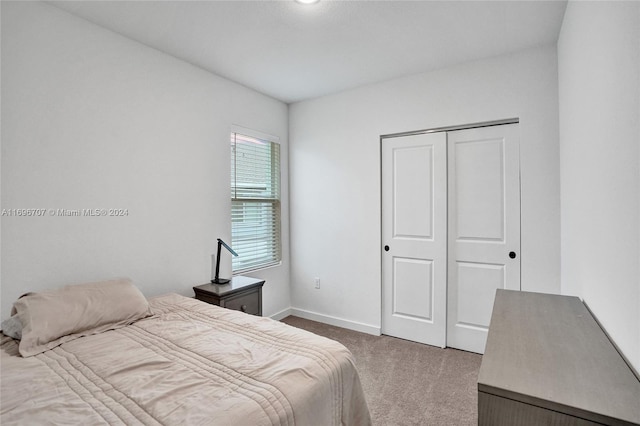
(91, 119)
(599, 92)
(335, 174)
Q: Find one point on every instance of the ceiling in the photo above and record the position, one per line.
(294, 52)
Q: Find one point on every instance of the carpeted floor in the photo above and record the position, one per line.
(408, 383)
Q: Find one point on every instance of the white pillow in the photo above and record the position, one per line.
(12, 327)
(54, 317)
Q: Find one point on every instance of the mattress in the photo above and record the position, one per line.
(190, 363)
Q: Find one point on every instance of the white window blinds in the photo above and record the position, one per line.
(255, 202)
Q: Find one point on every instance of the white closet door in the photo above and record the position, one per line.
(484, 228)
(414, 233)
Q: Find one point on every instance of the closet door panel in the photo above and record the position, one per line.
(414, 233)
(484, 228)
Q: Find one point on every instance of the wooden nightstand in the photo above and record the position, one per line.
(241, 294)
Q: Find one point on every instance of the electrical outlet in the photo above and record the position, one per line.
(317, 282)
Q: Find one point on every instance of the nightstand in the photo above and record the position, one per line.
(241, 294)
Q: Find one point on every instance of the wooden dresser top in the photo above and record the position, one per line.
(547, 350)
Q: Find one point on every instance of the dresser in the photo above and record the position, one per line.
(548, 362)
(241, 294)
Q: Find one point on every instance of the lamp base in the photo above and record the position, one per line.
(220, 281)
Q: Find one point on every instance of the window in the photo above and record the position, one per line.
(255, 202)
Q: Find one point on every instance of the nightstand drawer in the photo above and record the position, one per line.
(248, 302)
(241, 294)
(207, 298)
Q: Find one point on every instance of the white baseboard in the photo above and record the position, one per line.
(280, 315)
(338, 322)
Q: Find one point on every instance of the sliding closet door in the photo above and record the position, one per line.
(484, 228)
(414, 235)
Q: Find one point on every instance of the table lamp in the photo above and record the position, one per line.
(218, 280)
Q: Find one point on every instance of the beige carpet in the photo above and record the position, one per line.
(407, 383)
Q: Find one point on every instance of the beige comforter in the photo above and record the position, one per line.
(190, 364)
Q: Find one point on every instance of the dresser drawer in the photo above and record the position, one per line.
(248, 302)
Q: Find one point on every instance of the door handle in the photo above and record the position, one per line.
(386, 248)
(512, 254)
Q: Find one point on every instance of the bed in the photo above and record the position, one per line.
(183, 362)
